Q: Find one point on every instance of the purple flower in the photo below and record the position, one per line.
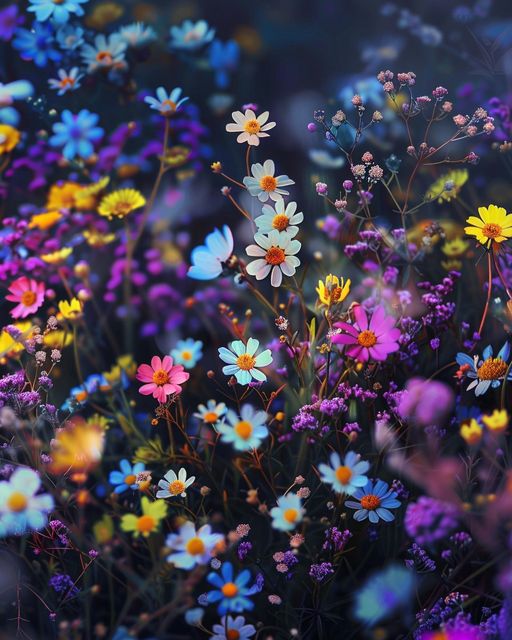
(429, 520)
(320, 571)
(425, 402)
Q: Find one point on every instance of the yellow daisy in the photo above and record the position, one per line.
(57, 257)
(493, 225)
(85, 199)
(333, 291)
(70, 310)
(148, 522)
(448, 186)
(497, 421)
(57, 339)
(120, 203)
(96, 239)
(9, 138)
(62, 196)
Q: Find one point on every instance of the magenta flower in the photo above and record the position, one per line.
(162, 378)
(28, 293)
(368, 340)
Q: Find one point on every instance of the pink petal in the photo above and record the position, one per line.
(360, 316)
(167, 363)
(179, 376)
(156, 363)
(349, 328)
(358, 353)
(344, 338)
(147, 389)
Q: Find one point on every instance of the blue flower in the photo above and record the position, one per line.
(242, 361)
(67, 81)
(137, 34)
(126, 478)
(224, 58)
(231, 593)
(375, 500)
(347, 476)
(187, 352)
(246, 431)
(59, 10)
(486, 372)
(21, 510)
(190, 36)
(288, 513)
(36, 44)
(107, 52)
(70, 38)
(191, 547)
(76, 133)
(233, 628)
(385, 593)
(166, 104)
(208, 259)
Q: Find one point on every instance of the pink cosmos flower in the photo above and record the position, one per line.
(28, 293)
(375, 339)
(162, 378)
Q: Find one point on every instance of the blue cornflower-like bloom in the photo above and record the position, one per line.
(187, 352)
(231, 592)
(190, 36)
(167, 104)
(208, 259)
(224, 58)
(126, 478)
(347, 476)
(57, 10)
(374, 502)
(384, 594)
(487, 372)
(76, 133)
(36, 44)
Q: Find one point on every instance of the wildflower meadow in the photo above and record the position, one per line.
(256, 322)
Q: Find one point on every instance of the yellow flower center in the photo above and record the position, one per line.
(491, 230)
(244, 429)
(195, 546)
(233, 634)
(160, 377)
(210, 417)
(343, 474)
(268, 183)
(176, 487)
(28, 298)
(280, 222)
(170, 104)
(105, 57)
(252, 126)
(290, 515)
(186, 355)
(57, 1)
(492, 369)
(275, 256)
(121, 209)
(370, 502)
(367, 338)
(17, 502)
(245, 362)
(229, 590)
(130, 479)
(145, 524)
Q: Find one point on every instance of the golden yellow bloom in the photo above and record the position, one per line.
(216, 167)
(103, 529)
(44, 221)
(77, 447)
(448, 186)
(333, 291)
(85, 198)
(57, 339)
(62, 196)
(57, 257)
(471, 432)
(9, 138)
(493, 225)
(455, 248)
(152, 514)
(125, 364)
(497, 422)
(96, 239)
(120, 203)
(70, 310)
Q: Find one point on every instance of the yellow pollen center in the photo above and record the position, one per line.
(186, 355)
(245, 362)
(176, 487)
(370, 502)
(160, 377)
(229, 590)
(492, 369)
(367, 338)
(343, 474)
(28, 298)
(252, 126)
(130, 479)
(17, 502)
(290, 515)
(275, 256)
(210, 417)
(268, 183)
(195, 546)
(244, 429)
(233, 634)
(104, 57)
(145, 524)
(280, 222)
(169, 103)
(491, 230)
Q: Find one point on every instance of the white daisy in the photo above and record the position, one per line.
(281, 218)
(190, 547)
(174, 485)
(246, 431)
(252, 128)
(264, 185)
(276, 255)
(211, 412)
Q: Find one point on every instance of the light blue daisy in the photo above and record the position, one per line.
(166, 103)
(191, 35)
(59, 11)
(288, 513)
(126, 478)
(208, 260)
(21, 510)
(246, 431)
(375, 500)
(243, 363)
(232, 593)
(187, 352)
(347, 476)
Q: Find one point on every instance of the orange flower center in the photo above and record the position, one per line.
(275, 255)
(186, 355)
(280, 222)
(343, 474)
(268, 183)
(145, 524)
(67, 82)
(130, 479)
(233, 634)
(176, 487)
(492, 369)
(195, 546)
(160, 377)
(252, 126)
(491, 230)
(28, 298)
(210, 417)
(170, 104)
(244, 429)
(105, 57)
(245, 362)
(121, 209)
(370, 502)
(290, 515)
(17, 502)
(335, 294)
(367, 338)
(229, 590)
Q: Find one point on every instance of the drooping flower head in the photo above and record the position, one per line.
(243, 362)
(162, 378)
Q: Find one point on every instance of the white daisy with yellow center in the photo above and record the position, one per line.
(190, 547)
(275, 255)
(345, 476)
(249, 127)
(174, 485)
(211, 412)
(245, 431)
(288, 513)
(281, 218)
(263, 184)
(243, 362)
